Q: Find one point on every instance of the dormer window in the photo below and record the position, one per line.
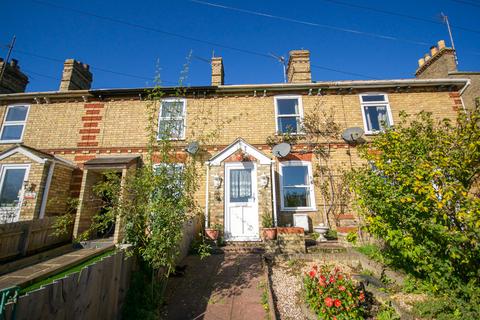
(376, 112)
(14, 123)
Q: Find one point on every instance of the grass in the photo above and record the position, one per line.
(372, 251)
(64, 273)
(264, 298)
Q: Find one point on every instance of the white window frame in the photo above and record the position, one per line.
(184, 117)
(3, 169)
(385, 103)
(11, 123)
(299, 114)
(308, 164)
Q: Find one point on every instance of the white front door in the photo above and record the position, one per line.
(241, 206)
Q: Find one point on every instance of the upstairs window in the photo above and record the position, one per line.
(288, 110)
(14, 124)
(297, 186)
(171, 121)
(376, 112)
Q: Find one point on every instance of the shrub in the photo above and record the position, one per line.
(332, 294)
(352, 237)
(420, 195)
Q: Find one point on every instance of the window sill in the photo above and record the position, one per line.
(294, 210)
(10, 141)
(172, 139)
(280, 134)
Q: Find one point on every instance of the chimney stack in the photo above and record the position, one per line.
(13, 80)
(217, 71)
(75, 76)
(298, 68)
(438, 63)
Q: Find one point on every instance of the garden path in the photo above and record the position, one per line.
(224, 286)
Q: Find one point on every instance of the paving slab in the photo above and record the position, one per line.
(224, 286)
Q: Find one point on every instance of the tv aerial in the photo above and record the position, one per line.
(352, 135)
(192, 147)
(283, 62)
(281, 150)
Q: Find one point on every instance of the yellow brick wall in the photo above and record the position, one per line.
(120, 127)
(59, 192)
(36, 178)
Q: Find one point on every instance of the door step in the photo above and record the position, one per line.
(242, 247)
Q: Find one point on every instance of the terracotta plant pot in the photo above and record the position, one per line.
(212, 234)
(269, 233)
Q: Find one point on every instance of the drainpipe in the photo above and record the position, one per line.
(206, 194)
(45, 191)
(274, 193)
(461, 94)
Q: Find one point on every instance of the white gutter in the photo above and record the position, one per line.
(274, 194)
(206, 194)
(46, 190)
(347, 84)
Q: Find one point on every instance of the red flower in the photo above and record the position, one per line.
(342, 288)
(339, 277)
(332, 279)
(337, 303)
(328, 302)
(322, 277)
(334, 318)
(361, 297)
(312, 274)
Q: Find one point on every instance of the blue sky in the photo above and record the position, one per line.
(43, 29)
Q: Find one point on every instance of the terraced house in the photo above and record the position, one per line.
(55, 145)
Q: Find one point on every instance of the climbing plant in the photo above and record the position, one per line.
(320, 131)
(154, 201)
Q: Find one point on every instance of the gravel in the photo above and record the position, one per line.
(286, 288)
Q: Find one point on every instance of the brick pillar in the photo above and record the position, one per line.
(88, 205)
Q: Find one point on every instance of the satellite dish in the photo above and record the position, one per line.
(352, 134)
(281, 150)
(192, 147)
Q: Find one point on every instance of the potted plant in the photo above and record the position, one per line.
(214, 232)
(269, 232)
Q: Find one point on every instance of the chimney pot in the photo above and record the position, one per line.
(426, 57)
(298, 68)
(421, 62)
(433, 51)
(218, 74)
(75, 76)
(441, 44)
(14, 63)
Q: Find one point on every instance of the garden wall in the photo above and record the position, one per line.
(23, 238)
(96, 292)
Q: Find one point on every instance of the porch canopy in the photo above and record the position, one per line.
(242, 145)
(111, 162)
